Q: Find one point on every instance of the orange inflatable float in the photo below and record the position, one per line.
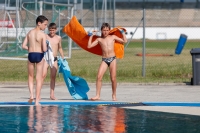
(78, 34)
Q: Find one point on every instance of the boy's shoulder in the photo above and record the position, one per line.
(36, 31)
(57, 37)
(30, 31)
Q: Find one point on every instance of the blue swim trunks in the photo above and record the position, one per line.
(35, 57)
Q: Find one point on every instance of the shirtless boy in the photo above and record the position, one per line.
(106, 42)
(36, 48)
(56, 46)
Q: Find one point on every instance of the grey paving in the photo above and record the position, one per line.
(126, 92)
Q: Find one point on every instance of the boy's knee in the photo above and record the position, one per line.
(99, 78)
(53, 75)
(43, 77)
(30, 75)
(113, 79)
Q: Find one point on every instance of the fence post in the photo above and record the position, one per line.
(144, 45)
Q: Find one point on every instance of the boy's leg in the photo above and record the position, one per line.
(44, 72)
(45, 69)
(101, 71)
(39, 80)
(113, 67)
(31, 80)
(53, 80)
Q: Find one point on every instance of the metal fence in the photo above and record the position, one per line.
(164, 22)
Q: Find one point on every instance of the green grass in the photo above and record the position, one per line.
(159, 69)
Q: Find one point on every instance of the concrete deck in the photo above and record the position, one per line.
(129, 92)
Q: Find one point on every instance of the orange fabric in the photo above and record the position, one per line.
(78, 34)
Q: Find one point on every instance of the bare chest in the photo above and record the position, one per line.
(108, 41)
(53, 41)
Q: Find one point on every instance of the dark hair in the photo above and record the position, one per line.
(105, 25)
(52, 26)
(41, 19)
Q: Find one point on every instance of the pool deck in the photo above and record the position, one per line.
(167, 95)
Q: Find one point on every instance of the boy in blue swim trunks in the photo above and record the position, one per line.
(55, 41)
(36, 40)
(106, 42)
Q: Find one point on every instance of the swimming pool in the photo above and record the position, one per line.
(92, 118)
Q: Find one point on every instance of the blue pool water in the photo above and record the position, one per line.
(94, 119)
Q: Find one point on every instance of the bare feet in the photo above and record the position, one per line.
(114, 98)
(30, 100)
(53, 98)
(37, 99)
(95, 98)
(37, 104)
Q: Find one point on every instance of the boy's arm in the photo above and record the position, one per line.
(124, 40)
(60, 48)
(124, 36)
(92, 44)
(44, 44)
(24, 44)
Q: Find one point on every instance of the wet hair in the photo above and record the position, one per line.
(105, 25)
(41, 19)
(52, 26)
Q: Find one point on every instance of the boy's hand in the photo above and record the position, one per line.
(121, 30)
(47, 42)
(90, 34)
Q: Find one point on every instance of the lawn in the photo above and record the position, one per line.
(157, 69)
